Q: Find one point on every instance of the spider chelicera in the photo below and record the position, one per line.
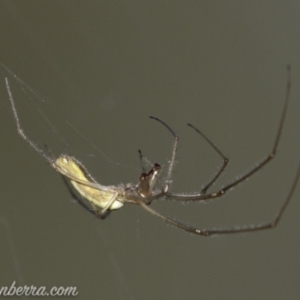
(104, 199)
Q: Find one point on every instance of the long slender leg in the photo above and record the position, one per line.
(105, 209)
(266, 160)
(225, 160)
(103, 214)
(19, 128)
(168, 180)
(248, 228)
(77, 197)
(144, 160)
(51, 161)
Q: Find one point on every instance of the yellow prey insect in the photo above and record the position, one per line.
(104, 199)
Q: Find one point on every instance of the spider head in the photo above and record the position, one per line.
(148, 181)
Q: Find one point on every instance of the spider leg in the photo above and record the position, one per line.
(144, 161)
(266, 160)
(103, 214)
(168, 180)
(81, 201)
(20, 129)
(225, 160)
(247, 228)
(105, 209)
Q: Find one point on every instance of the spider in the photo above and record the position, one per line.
(104, 199)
